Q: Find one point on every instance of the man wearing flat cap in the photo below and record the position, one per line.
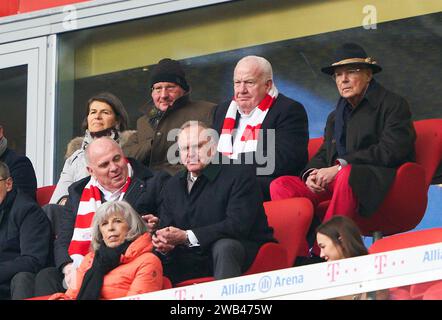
(367, 137)
(171, 107)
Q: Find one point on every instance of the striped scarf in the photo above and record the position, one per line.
(90, 201)
(249, 136)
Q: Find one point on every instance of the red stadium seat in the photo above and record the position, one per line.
(290, 219)
(406, 202)
(166, 285)
(408, 240)
(33, 5)
(434, 292)
(9, 7)
(44, 194)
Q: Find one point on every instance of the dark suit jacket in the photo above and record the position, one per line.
(224, 202)
(25, 236)
(22, 171)
(144, 194)
(380, 137)
(290, 122)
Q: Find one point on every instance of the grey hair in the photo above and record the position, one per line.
(98, 140)
(4, 171)
(192, 123)
(263, 63)
(137, 226)
(210, 132)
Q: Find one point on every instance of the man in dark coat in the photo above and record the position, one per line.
(20, 167)
(113, 177)
(261, 126)
(367, 137)
(171, 106)
(212, 220)
(24, 233)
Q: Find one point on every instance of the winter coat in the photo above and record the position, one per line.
(25, 236)
(140, 272)
(224, 202)
(150, 144)
(380, 137)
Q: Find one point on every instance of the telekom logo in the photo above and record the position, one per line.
(380, 262)
(180, 294)
(333, 271)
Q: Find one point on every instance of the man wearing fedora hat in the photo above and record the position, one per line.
(367, 137)
(171, 107)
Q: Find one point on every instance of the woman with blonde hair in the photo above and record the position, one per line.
(121, 262)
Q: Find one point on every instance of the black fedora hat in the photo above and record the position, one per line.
(351, 54)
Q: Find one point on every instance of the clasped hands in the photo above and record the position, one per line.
(165, 239)
(318, 179)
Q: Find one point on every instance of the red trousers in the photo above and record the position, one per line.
(342, 199)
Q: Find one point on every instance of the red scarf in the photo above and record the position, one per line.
(249, 136)
(90, 201)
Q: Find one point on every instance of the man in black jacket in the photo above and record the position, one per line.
(113, 177)
(20, 167)
(261, 126)
(367, 137)
(24, 233)
(212, 220)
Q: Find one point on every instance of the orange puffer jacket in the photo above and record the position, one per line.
(140, 271)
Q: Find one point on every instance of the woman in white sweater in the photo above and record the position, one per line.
(105, 116)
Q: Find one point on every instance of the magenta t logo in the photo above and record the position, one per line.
(180, 294)
(380, 262)
(333, 271)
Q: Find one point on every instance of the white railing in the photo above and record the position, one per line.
(320, 281)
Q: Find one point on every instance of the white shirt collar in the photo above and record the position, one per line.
(243, 115)
(110, 196)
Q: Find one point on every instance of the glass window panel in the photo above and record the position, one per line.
(13, 96)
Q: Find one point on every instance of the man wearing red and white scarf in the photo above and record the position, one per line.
(257, 114)
(113, 177)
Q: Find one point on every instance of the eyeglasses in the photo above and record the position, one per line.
(351, 73)
(4, 179)
(168, 88)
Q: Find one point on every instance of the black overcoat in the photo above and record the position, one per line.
(380, 137)
(143, 194)
(224, 202)
(25, 236)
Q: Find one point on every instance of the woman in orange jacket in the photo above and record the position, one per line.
(121, 263)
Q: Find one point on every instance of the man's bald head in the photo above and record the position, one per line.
(106, 162)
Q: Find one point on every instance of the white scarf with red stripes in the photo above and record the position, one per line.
(250, 134)
(90, 201)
